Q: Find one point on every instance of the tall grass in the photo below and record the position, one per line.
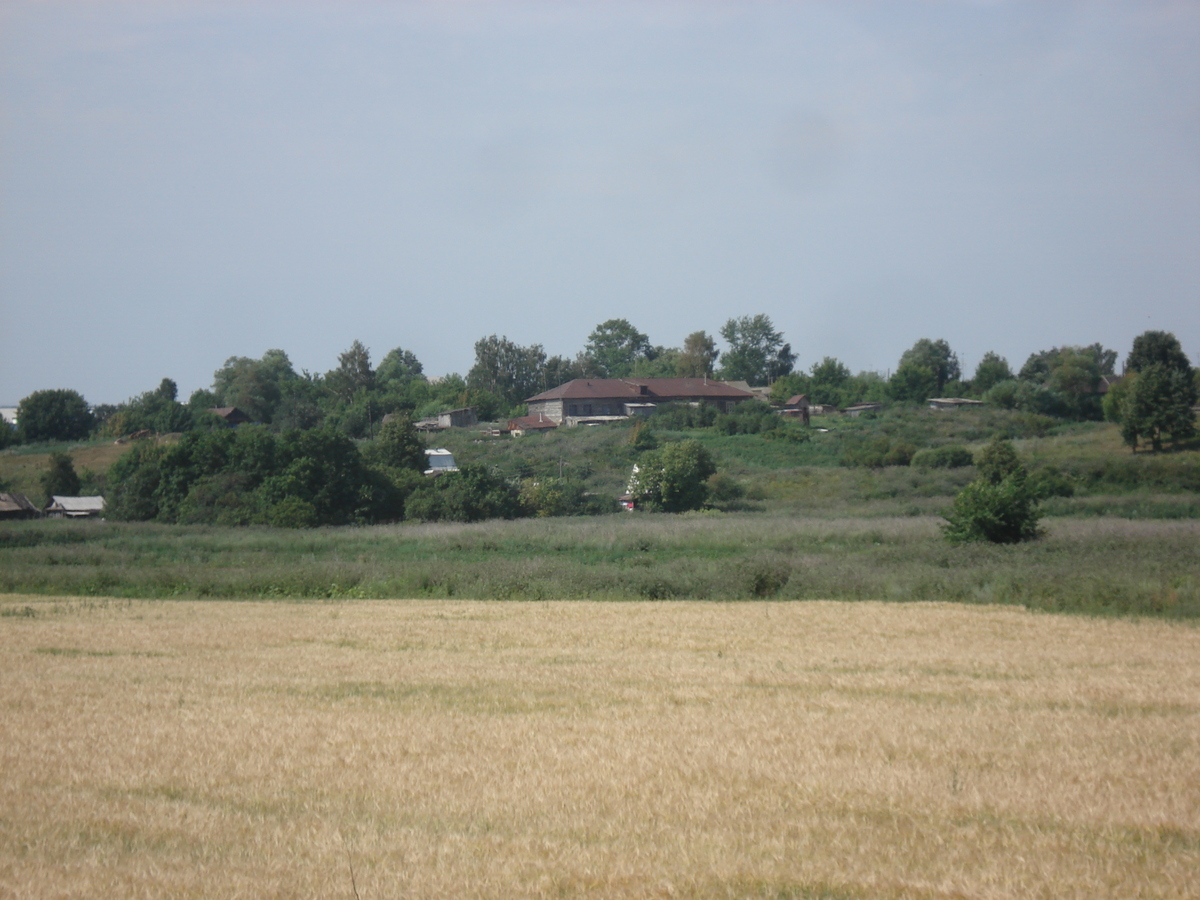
(1099, 565)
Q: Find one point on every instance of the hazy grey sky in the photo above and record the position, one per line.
(187, 181)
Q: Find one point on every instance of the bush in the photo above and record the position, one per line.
(471, 494)
(724, 489)
(1002, 513)
(878, 452)
(673, 478)
(999, 506)
(952, 457)
(997, 461)
(752, 417)
(561, 497)
(1051, 482)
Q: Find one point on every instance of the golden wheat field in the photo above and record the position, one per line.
(459, 749)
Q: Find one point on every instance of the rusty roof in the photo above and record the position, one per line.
(656, 389)
(532, 422)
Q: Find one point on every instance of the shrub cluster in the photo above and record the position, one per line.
(951, 457)
(999, 506)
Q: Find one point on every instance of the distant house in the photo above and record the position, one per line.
(530, 424)
(8, 414)
(453, 418)
(231, 414)
(458, 418)
(74, 507)
(592, 400)
(17, 506)
(953, 403)
(797, 407)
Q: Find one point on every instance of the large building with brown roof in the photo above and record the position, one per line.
(605, 399)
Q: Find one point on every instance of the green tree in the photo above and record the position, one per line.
(398, 368)
(937, 358)
(509, 371)
(559, 370)
(992, 370)
(829, 380)
(659, 362)
(1157, 347)
(53, 415)
(1041, 365)
(353, 374)
(913, 382)
(1158, 404)
(999, 506)
(698, 357)
(156, 410)
(757, 353)
(255, 386)
(614, 347)
(397, 446)
(60, 479)
(674, 477)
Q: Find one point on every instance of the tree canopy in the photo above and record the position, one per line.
(757, 353)
(992, 370)
(673, 477)
(698, 357)
(935, 357)
(614, 348)
(53, 415)
(509, 371)
(1157, 347)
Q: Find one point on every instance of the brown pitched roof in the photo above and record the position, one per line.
(651, 389)
(531, 423)
(16, 504)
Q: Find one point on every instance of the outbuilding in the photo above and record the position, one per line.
(75, 507)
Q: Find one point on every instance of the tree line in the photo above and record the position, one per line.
(353, 397)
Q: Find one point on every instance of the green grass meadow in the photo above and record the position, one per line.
(1099, 565)
(1121, 535)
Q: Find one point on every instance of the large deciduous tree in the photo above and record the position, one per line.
(1158, 404)
(614, 348)
(757, 353)
(698, 357)
(53, 415)
(1157, 347)
(937, 358)
(992, 370)
(255, 386)
(507, 370)
(397, 369)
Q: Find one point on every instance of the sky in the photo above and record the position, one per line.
(184, 182)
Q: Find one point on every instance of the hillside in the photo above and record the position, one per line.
(825, 469)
